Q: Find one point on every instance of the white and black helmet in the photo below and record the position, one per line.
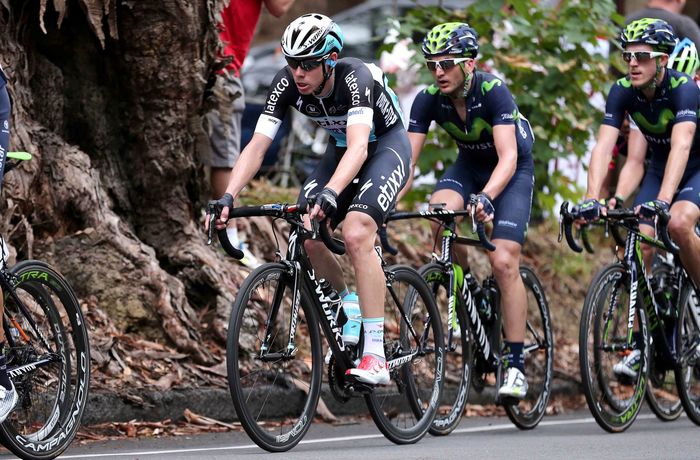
(311, 36)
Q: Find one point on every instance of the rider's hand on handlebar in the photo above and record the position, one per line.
(650, 209)
(225, 203)
(484, 208)
(326, 204)
(615, 202)
(590, 210)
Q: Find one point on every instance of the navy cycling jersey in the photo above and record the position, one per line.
(489, 103)
(360, 94)
(677, 99)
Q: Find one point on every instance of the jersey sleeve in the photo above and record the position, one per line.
(498, 98)
(685, 98)
(279, 97)
(359, 84)
(422, 112)
(615, 110)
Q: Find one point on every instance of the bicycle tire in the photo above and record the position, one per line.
(614, 402)
(275, 400)
(52, 397)
(687, 342)
(404, 410)
(662, 390)
(459, 353)
(539, 356)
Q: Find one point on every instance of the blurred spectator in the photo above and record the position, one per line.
(222, 123)
(669, 11)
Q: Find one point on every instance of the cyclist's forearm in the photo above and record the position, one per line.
(630, 178)
(501, 175)
(353, 159)
(600, 159)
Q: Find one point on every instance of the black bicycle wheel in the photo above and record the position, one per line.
(687, 346)
(459, 351)
(48, 361)
(613, 401)
(662, 390)
(274, 390)
(539, 356)
(404, 410)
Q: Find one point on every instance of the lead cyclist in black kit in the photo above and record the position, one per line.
(360, 174)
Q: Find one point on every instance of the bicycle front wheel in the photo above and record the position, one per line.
(413, 343)
(274, 382)
(539, 356)
(48, 359)
(687, 350)
(459, 350)
(614, 400)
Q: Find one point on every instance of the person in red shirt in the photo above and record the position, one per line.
(222, 123)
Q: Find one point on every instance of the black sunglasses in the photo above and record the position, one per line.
(305, 64)
(640, 56)
(445, 64)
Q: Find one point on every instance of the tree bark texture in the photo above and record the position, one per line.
(107, 95)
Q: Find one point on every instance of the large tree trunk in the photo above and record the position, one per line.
(109, 103)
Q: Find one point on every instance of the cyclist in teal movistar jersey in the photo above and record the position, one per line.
(494, 160)
(8, 394)
(664, 105)
(358, 178)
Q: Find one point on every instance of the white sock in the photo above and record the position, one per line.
(374, 336)
(232, 233)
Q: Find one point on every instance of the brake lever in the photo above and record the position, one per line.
(211, 210)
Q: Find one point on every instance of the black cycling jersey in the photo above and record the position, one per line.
(360, 94)
(489, 103)
(677, 99)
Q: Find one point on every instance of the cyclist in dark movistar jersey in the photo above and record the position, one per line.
(360, 174)
(664, 105)
(494, 160)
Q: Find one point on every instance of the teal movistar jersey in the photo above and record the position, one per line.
(677, 99)
(489, 103)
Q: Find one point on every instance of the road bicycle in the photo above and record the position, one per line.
(661, 390)
(471, 318)
(621, 301)
(48, 355)
(274, 350)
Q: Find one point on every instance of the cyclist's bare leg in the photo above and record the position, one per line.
(324, 261)
(359, 231)
(453, 201)
(647, 251)
(505, 262)
(684, 216)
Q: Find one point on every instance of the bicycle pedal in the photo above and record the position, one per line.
(360, 387)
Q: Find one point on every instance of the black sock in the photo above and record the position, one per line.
(514, 356)
(4, 378)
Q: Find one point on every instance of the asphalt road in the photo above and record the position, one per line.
(570, 437)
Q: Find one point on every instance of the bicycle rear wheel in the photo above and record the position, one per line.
(274, 390)
(614, 401)
(459, 351)
(687, 346)
(413, 343)
(539, 356)
(48, 361)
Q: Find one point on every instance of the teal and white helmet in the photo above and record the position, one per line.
(311, 36)
(684, 57)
